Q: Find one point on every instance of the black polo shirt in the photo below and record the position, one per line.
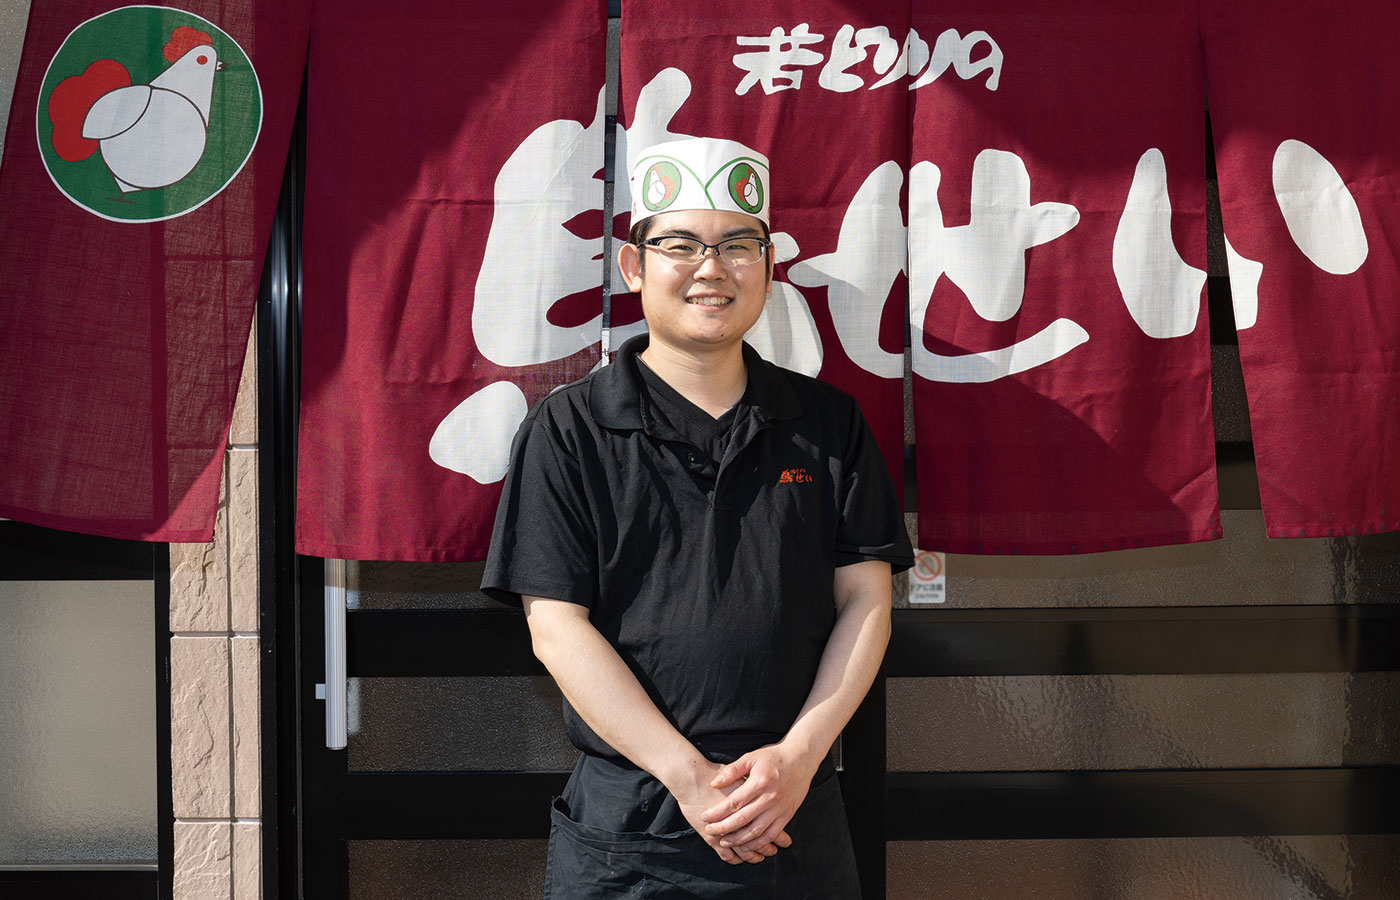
(713, 579)
(692, 424)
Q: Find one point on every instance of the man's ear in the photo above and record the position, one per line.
(629, 261)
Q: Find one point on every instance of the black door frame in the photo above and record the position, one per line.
(31, 553)
(278, 323)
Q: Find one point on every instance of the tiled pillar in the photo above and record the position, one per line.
(214, 663)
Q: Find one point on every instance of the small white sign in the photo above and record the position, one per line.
(928, 579)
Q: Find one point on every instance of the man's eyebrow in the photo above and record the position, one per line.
(741, 231)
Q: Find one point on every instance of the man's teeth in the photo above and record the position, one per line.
(709, 301)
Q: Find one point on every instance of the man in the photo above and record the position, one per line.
(702, 543)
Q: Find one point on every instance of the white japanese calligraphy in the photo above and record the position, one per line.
(785, 332)
(1322, 219)
(766, 67)
(469, 439)
(1244, 287)
(548, 180)
(908, 55)
(848, 49)
(1162, 292)
(955, 51)
(870, 254)
(986, 259)
(1320, 212)
(774, 67)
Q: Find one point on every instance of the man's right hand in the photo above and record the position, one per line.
(694, 795)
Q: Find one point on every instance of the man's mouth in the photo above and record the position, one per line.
(710, 301)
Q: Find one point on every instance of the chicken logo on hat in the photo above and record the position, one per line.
(147, 131)
(662, 183)
(745, 187)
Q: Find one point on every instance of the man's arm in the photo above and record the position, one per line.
(603, 690)
(772, 781)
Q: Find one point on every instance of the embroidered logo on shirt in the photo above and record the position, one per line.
(795, 476)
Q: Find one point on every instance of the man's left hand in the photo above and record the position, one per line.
(775, 782)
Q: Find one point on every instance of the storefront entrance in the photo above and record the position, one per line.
(1210, 720)
(1008, 753)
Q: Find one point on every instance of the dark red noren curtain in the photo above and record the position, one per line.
(1062, 380)
(1307, 143)
(143, 159)
(453, 260)
(1057, 251)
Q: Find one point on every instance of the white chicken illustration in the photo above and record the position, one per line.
(749, 186)
(661, 185)
(153, 135)
(657, 190)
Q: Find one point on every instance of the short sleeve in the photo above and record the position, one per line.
(544, 542)
(871, 524)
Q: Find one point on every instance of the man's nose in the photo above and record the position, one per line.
(711, 266)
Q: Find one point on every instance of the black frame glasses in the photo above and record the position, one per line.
(696, 257)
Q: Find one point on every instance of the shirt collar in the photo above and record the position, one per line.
(615, 393)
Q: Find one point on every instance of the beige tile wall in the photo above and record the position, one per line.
(214, 663)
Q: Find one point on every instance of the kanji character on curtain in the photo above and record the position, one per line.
(1057, 268)
(453, 268)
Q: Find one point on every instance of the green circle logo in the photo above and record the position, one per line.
(660, 186)
(745, 188)
(146, 113)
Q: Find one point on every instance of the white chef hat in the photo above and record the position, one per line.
(700, 173)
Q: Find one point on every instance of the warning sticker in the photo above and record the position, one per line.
(927, 580)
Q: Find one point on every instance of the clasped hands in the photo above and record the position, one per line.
(743, 810)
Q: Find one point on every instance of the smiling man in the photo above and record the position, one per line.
(702, 542)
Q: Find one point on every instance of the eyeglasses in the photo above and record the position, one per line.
(739, 251)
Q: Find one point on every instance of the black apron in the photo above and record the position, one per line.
(617, 833)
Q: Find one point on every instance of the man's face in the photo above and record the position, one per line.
(698, 306)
